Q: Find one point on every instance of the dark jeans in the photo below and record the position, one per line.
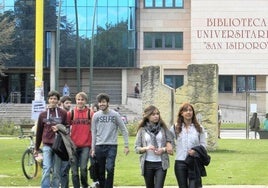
(80, 161)
(181, 172)
(65, 167)
(154, 175)
(106, 155)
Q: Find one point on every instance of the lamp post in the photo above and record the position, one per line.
(57, 62)
(92, 55)
(78, 71)
(39, 46)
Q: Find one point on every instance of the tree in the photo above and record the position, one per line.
(7, 26)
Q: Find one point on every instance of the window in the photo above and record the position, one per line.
(245, 83)
(158, 40)
(173, 81)
(163, 3)
(225, 84)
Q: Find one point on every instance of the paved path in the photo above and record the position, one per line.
(205, 186)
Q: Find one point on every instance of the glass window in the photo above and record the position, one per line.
(245, 83)
(168, 3)
(122, 3)
(112, 3)
(122, 14)
(168, 41)
(101, 17)
(102, 3)
(148, 3)
(158, 3)
(148, 38)
(159, 40)
(163, 3)
(173, 81)
(131, 19)
(225, 84)
(113, 18)
(178, 3)
(179, 41)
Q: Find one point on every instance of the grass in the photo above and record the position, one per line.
(226, 125)
(235, 162)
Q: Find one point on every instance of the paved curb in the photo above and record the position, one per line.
(205, 186)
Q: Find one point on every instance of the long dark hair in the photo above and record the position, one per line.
(180, 120)
(146, 114)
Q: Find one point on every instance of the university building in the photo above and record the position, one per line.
(129, 35)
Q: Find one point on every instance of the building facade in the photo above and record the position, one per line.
(129, 35)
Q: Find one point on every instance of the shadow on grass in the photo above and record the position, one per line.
(225, 151)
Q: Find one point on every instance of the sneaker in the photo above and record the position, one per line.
(95, 184)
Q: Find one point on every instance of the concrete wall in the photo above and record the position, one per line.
(157, 94)
(201, 90)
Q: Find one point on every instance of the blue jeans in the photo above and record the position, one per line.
(106, 155)
(80, 160)
(181, 172)
(50, 162)
(154, 175)
(65, 167)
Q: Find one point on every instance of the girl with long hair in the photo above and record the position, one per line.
(153, 142)
(188, 134)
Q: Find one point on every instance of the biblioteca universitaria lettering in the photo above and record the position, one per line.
(225, 28)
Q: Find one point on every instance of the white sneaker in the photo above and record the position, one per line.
(95, 184)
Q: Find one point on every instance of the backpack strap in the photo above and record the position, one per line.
(88, 114)
(72, 115)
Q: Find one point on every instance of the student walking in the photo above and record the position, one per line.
(190, 148)
(45, 133)
(65, 104)
(151, 142)
(81, 136)
(105, 125)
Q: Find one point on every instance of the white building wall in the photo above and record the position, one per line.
(242, 53)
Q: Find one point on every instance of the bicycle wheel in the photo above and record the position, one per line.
(29, 164)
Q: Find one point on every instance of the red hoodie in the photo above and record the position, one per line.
(81, 127)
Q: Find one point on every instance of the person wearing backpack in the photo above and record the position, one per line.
(81, 136)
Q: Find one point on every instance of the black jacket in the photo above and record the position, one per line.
(197, 163)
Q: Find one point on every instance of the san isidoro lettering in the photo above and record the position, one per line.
(236, 45)
(234, 33)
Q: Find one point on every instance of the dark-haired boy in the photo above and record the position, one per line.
(45, 133)
(105, 125)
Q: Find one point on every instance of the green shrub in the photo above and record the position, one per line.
(8, 128)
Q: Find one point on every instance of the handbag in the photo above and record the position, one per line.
(59, 148)
(94, 169)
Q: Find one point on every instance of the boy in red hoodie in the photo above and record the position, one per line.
(81, 136)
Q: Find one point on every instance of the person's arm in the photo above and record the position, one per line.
(139, 148)
(123, 129)
(93, 134)
(39, 133)
(202, 138)
(169, 143)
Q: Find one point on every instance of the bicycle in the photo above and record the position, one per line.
(28, 161)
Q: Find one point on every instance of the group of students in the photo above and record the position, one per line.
(93, 134)
(94, 131)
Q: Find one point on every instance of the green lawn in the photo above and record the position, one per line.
(235, 162)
